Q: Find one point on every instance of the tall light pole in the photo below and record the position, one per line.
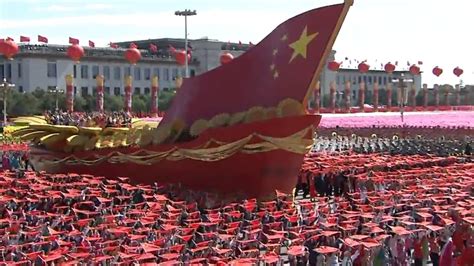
(5, 87)
(186, 13)
(56, 92)
(402, 84)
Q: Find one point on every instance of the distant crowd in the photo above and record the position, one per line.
(108, 119)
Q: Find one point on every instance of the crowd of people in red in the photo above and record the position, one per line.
(392, 211)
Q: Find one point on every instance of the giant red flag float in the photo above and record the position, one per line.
(237, 114)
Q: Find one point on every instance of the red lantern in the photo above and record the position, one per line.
(226, 58)
(389, 68)
(415, 70)
(75, 52)
(437, 71)
(363, 67)
(133, 55)
(8, 48)
(334, 66)
(458, 71)
(180, 57)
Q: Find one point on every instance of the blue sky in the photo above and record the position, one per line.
(437, 32)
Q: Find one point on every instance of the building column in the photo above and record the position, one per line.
(347, 92)
(436, 95)
(413, 95)
(425, 96)
(376, 96)
(154, 96)
(317, 97)
(361, 96)
(69, 93)
(332, 96)
(128, 94)
(389, 96)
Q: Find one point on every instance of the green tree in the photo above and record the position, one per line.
(113, 103)
(80, 104)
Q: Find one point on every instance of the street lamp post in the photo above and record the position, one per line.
(402, 84)
(5, 87)
(186, 13)
(56, 92)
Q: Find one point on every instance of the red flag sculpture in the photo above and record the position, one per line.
(42, 39)
(154, 95)
(91, 44)
(128, 94)
(100, 93)
(69, 93)
(265, 74)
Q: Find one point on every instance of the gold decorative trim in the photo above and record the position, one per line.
(295, 143)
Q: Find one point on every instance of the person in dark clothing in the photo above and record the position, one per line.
(468, 149)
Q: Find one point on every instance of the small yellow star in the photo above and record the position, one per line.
(275, 52)
(284, 38)
(275, 75)
(300, 46)
(272, 67)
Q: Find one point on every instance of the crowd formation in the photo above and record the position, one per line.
(109, 119)
(394, 145)
(393, 210)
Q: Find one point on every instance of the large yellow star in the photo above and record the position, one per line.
(300, 46)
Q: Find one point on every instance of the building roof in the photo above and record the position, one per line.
(93, 54)
(178, 43)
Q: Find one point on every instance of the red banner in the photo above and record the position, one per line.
(281, 66)
(42, 39)
(73, 40)
(24, 39)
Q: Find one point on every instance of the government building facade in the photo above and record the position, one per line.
(45, 67)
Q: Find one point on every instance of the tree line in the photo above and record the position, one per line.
(39, 100)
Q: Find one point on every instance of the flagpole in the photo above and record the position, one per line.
(332, 39)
